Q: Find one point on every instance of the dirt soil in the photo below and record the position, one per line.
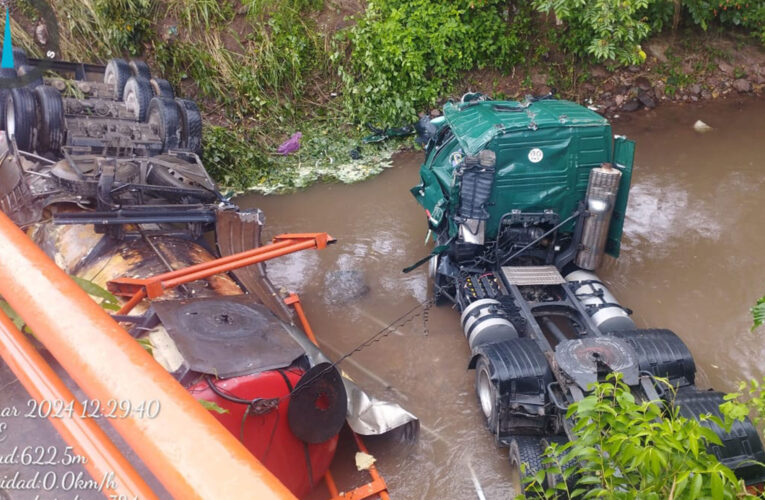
(688, 68)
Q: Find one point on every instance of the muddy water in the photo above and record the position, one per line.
(692, 261)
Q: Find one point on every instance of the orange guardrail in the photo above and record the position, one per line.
(155, 286)
(189, 452)
(83, 434)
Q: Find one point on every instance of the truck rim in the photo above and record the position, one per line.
(485, 393)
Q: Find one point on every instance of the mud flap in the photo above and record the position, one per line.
(741, 449)
(239, 231)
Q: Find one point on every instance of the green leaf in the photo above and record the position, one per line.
(108, 301)
(758, 313)
(14, 317)
(212, 406)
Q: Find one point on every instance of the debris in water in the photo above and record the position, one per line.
(364, 460)
(290, 145)
(701, 127)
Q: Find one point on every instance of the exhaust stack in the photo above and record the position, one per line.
(601, 196)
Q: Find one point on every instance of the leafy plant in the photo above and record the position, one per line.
(609, 30)
(105, 28)
(758, 313)
(402, 56)
(629, 449)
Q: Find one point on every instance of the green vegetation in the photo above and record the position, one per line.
(634, 449)
(264, 69)
(758, 313)
(404, 55)
(630, 449)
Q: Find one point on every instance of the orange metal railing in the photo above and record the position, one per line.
(83, 434)
(155, 286)
(189, 452)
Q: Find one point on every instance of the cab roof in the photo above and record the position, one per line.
(477, 123)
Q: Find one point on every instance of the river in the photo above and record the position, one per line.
(692, 261)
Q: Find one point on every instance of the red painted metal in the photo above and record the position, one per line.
(83, 434)
(268, 435)
(377, 486)
(183, 445)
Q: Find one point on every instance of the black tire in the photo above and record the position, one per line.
(20, 118)
(140, 68)
(51, 126)
(162, 88)
(116, 74)
(25, 70)
(526, 453)
(137, 96)
(5, 74)
(552, 479)
(486, 391)
(19, 58)
(741, 448)
(191, 125)
(164, 117)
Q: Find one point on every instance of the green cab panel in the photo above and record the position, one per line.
(624, 157)
(545, 151)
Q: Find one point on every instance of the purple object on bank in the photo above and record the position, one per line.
(290, 145)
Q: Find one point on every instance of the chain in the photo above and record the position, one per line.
(403, 320)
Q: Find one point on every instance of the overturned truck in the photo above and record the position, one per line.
(100, 165)
(524, 199)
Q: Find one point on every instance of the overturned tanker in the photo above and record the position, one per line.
(100, 165)
(524, 199)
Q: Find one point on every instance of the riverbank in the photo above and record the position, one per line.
(264, 71)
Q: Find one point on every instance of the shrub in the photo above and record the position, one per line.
(629, 449)
(405, 54)
(745, 14)
(609, 30)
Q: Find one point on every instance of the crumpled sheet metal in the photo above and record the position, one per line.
(367, 415)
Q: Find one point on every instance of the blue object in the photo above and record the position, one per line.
(7, 61)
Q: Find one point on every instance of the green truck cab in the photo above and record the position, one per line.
(524, 199)
(544, 149)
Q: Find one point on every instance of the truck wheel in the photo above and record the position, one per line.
(116, 75)
(486, 391)
(191, 125)
(526, 455)
(552, 479)
(51, 129)
(137, 96)
(20, 118)
(9, 74)
(162, 88)
(25, 70)
(19, 58)
(741, 448)
(138, 68)
(163, 117)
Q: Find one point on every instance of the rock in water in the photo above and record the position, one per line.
(701, 127)
(742, 85)
(344, 286)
